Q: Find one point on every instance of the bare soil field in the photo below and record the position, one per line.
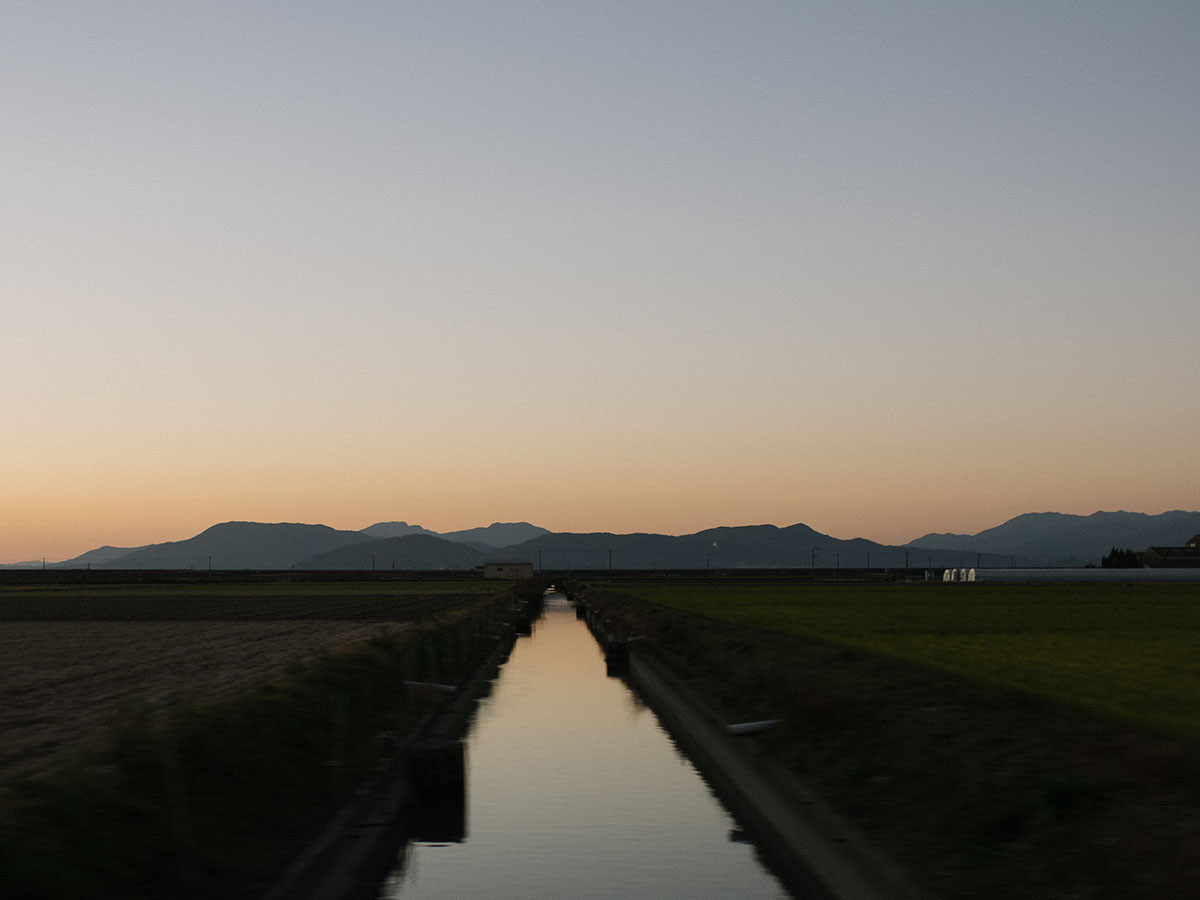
(186, 735)
(61, 683)
(73, 657)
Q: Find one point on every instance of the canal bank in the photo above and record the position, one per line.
(359, 846)
(575, 789)
(814, 851)
(976, 790)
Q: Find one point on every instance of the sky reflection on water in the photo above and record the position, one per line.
(574, 790)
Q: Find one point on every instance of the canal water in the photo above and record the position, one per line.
(575, 790)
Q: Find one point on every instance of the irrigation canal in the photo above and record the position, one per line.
(573, 789)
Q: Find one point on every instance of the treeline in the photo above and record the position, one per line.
(1122, 559)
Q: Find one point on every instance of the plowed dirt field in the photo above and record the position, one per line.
(72, 660)
(62, 682)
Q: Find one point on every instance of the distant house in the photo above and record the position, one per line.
(511, 571)
(1187, 557)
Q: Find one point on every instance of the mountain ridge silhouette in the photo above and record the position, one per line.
(1027, 539)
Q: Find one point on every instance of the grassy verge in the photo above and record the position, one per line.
(981, 782)
(1124, 651)
(210, 800)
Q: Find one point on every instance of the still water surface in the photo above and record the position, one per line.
(574, 790)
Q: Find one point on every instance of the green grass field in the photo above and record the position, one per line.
(1125, 651)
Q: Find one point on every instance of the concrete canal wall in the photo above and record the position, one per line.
(359, 846)
(813, 851)
(816, 853)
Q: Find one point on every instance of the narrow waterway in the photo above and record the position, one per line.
(574, 790)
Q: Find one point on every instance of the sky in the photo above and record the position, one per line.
(881, 268)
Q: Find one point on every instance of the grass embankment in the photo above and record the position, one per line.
(200, 798)
(1118, 650)
(1000, 741)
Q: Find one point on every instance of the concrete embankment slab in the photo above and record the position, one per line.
(814, 851)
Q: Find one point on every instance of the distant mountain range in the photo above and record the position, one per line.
(1034, 539)
(498, 534)
(1056, 536)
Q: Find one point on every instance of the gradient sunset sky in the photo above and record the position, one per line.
(881, 268)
